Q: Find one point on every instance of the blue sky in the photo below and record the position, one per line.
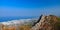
(29, 7)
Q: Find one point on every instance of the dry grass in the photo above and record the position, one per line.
(25, 27)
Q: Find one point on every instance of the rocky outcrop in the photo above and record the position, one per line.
(46, 23)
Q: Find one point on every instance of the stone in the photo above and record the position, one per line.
(46, 23)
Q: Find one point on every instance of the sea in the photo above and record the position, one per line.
(5, 19)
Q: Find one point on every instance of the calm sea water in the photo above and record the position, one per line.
(4, 19)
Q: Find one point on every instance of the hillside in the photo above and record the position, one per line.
(50, 22)
(17, 24)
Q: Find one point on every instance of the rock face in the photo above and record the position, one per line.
(46, 23)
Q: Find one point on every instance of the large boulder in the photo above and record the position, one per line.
(46, 23)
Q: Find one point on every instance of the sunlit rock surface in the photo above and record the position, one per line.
(46, 23)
